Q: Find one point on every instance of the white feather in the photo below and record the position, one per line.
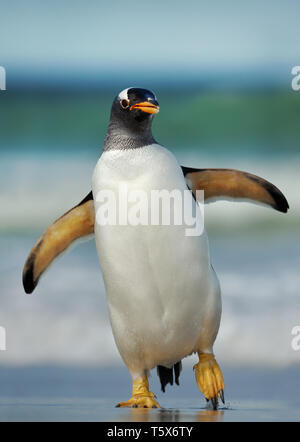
(163, 296)
(123, 95)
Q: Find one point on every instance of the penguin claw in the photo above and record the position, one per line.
(221, 393)
(209, 379)
(138, 401)
(214, 401)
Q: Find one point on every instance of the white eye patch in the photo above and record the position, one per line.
(123, 95)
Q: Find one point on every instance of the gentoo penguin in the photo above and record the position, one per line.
(162, 292)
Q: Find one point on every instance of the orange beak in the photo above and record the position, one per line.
(146, 106)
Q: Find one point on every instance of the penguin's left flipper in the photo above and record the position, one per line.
(231, 184)
(74, 224)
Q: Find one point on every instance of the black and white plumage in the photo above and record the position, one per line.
(147, 275)
(162, 292)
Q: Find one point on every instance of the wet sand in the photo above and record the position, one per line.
(90, 394)
(102, 410)
(73, 410)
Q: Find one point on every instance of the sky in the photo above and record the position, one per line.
(67, 37)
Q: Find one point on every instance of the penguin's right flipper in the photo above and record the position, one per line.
(74, 224)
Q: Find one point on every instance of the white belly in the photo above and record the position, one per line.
(162, 294)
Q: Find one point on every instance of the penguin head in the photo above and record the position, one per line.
(135, 107)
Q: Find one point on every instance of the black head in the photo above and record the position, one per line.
(131, 119)
(135, 105)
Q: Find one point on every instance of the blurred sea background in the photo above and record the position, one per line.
(222, 75)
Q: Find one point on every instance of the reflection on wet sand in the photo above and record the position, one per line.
(210, 416)
(172, 415)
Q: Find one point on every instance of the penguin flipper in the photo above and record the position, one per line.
(74, 224)
(79, 221)
(234, 184)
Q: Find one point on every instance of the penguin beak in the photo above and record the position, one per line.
(146, 106)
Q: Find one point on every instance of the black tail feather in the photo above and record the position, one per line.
(166, 375)
(177, 371)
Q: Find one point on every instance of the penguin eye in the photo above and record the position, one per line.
(124, 103)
